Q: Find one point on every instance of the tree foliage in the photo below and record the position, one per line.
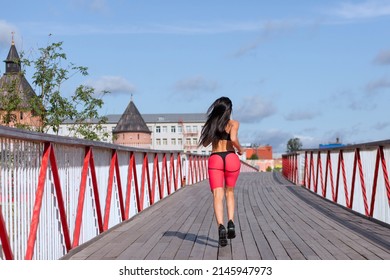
(294, 144)
(53, 107)
(10, 102)
(254, 156)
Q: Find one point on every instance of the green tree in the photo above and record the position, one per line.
(254, 157)
(10, 102)
(52, 106)
(277, 169)
(293, 145)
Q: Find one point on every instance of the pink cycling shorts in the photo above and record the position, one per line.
(223, 168)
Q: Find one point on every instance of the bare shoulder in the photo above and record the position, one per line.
(234, 123)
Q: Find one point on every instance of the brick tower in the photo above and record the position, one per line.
(132, 130)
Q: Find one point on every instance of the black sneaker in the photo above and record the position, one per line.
(231, 230)
(222, 236)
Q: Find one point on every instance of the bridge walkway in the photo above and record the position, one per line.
(275, 220)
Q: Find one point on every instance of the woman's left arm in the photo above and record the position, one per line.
(234, 136)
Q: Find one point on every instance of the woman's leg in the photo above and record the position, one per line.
(218, 194)
(231, 229)
(232, 171)
(218, 210)
(230, 202)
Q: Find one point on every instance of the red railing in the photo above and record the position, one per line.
(354, 176)
(57, 192)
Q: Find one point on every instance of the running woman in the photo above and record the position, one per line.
(221, 132)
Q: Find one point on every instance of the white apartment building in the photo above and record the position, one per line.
(176, 131)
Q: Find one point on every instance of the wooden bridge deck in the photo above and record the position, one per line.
(275, 220)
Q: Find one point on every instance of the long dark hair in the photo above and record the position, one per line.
(218, 116)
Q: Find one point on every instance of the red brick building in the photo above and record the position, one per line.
(261, 152)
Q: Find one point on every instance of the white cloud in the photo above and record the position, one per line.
(99, 6)
(301, 115)
(253, 109)
(189, 89)
(366, 9)
(197, 83)
(6, 30)
(268, 30)
(113, 84)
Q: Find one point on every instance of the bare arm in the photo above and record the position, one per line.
(234, 136)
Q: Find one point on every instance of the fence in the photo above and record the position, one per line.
(57, 192)
(353, 176)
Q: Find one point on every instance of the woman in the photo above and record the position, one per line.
(224, 165)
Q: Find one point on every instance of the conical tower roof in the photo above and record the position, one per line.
(131, 121)
(13, 79)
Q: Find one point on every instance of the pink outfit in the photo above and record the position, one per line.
(223, 168)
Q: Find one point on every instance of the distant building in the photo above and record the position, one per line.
(177, 131)
(16, 94)
(260, 152)
(337, 144)
(262, 157)
(131, 129)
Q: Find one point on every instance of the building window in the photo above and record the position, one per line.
(180, 129)
(165, 141)
(173, 141)
(173, 129)
(194, 128)
(158, 129)
(21, 115)
(158, 142)
(180, 141)
(188, 141)
(188, 128)
(194, 141)
(164, 129)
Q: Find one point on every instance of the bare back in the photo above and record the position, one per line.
(229, 145)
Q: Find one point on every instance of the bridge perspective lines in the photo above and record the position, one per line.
(275, 220)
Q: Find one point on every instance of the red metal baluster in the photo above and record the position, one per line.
(375, 181)
(156, 177)
(344, 179)
(363, 185)
(109, 190)
(385, 175)
(119, 185)
(4, 239)
(60, 200)
(164, 176)
(95, 191)
(137, 192)
(306, 168)
(147, 179)
(38, 202)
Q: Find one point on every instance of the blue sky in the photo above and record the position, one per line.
(316, 70)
